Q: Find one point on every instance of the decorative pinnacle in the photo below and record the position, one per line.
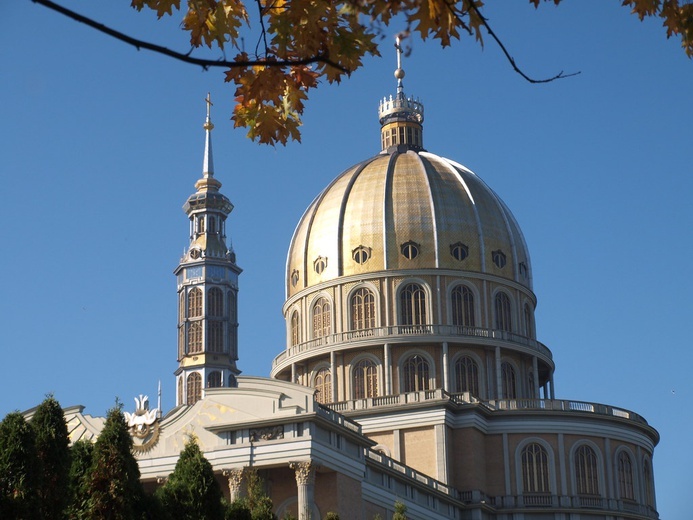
(208, 163)
(399, 72)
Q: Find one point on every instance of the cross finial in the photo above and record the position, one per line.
(208, 123)
(399, 73)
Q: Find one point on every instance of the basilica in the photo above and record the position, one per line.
(412, 372)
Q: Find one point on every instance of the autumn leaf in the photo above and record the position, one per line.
(293, 45)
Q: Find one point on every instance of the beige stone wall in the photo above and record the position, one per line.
(495, 472)
(418, 449)
(467, 460)
(384, 438)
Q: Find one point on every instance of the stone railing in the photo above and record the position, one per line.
(387, 463)
(395, 332)
(333, 415)
(562, 405)
(549, 405)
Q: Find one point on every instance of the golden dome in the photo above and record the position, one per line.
(406, 209)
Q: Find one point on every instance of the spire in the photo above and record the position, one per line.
(399, 72)
(208, 164)
(401, 118)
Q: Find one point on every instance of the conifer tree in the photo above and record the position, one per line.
(260, 505)
(53, 452)
(191, 491)
(18, 468)
(113, 482)
(400, 511)
(81, 454)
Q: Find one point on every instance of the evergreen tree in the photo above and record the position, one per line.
(18, 468)
(113, 482)
(81, 455)
(191, 491)
(238, 510)
(53, 452)
(260, 505)
(400, 511)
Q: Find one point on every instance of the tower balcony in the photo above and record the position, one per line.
(395, 334)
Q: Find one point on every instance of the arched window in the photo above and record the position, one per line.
(195, 338)
(625, 477)
(463, 306)
(195, 303)
(215, 302)
(323, 384)
(649, 483)
(181, 307)
(194, 388)
(214, 379)
(586, 475)
(232, 312)
(365, 381)
(322, 318)
(362, 309)
(508, 381)
(180, 390)
(412, 300)
(181, 341)
(416, 374)
(295, 328)
(467, 375)
(535, 469)
(215, 336)
(529, 329)
(502, 312)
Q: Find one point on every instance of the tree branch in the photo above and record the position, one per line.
(560, 75)
(204, 63)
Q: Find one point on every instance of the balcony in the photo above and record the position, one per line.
(540, 405)
(405, 333)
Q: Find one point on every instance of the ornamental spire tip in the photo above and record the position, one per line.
(208, 163)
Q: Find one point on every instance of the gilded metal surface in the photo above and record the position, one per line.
(399, 197)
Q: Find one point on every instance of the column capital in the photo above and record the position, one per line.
(305, 471)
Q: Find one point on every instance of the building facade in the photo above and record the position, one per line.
(412, 371)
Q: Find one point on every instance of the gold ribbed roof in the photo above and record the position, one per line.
(398, 198)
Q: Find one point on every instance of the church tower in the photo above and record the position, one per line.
(207, 280)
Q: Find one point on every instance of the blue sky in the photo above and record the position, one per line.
(102, 144)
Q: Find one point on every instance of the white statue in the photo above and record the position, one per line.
(143, 418)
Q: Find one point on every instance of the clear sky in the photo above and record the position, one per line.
(102, 144)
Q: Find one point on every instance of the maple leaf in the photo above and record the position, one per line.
(299, 43)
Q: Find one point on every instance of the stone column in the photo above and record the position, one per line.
(333, 373)
(535, 375)
(305, 481)
(235, 477)
(499, 376)
(387, 369)
(446, 368)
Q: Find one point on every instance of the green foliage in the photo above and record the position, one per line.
(18, 468)
(53, 452)
(260, 504)
(238, 510)
(400, 511)
(113, 481)
(331, 516)
(81, 455)
(377, 517)
(191, 492)
(256, 505)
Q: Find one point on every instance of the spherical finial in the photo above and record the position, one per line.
(399, 73)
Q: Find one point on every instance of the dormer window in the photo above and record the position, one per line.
(410, 250)
(499, 258)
